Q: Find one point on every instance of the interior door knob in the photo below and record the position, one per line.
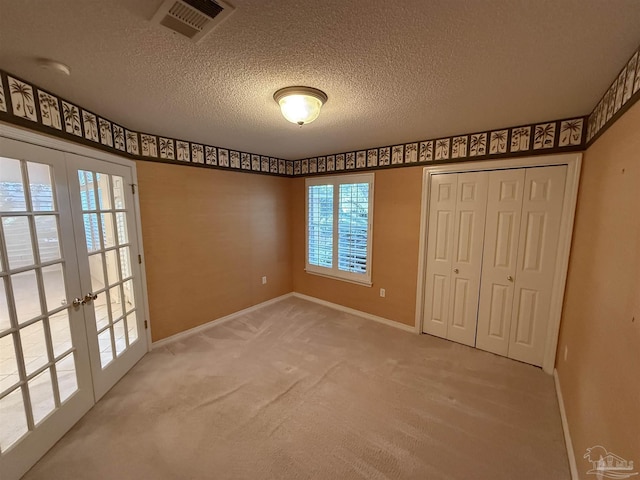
(455, 270)
(510, 278)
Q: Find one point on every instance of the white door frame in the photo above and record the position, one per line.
(573, 161)
(43, 140)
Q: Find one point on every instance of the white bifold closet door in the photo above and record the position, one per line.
(458, 203)
(491, 254)
(523, 289)
(504, 206)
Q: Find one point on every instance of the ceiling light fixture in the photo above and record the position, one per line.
(300, 104)
(54, 65)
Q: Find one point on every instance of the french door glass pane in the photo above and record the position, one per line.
(113, 273)
(8, 363)
(125, 262)
(41, 394)
(40, 187)
(34, 346)
(115, 299)
(17, 235)
(129, 298)
(54, 286)
(96, 270)
(26, 295)
(121, 223)
(106, 349)
(87, 196)
(5, 321)
(60, 333)
(104, 191)
(108, 233)
(48, 238)
(118, 192)
(12, 198)
(101, 311)
(132, 326)
(12, 418)
(91, 232)
(67, 380)
(120, 337)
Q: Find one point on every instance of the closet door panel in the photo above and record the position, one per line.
(537, 251)
(468, 238)
(502, 230)
(442, 206)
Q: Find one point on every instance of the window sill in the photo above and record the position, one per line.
(363, 283)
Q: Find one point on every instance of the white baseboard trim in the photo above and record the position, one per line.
(352, 311)
(565, 428)
(217, 321)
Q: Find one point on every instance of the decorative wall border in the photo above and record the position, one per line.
(35, 108)
(544, 138)
(621, 94)
(52, 114)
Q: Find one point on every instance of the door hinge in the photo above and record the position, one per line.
(140, 259)
(133, 188)
(146, 325)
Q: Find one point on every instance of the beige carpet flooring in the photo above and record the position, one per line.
(300, 391)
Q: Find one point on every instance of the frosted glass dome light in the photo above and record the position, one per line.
(300, 105)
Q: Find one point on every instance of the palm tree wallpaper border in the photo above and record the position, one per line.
(48, 113)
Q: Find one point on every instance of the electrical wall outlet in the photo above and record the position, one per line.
(382, 292)
(264, 280)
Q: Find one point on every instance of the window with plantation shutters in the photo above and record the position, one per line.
(339, 226)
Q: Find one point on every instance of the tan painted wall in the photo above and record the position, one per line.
(600, 379)
(396, 231)
(209, 236)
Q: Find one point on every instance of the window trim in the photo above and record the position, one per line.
(334, 272)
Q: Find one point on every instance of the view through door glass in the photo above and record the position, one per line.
(37, 356)
(104, 212)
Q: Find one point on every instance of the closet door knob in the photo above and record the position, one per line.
(455, 270)
(510, 278)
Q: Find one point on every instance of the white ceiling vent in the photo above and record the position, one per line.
(192, 18)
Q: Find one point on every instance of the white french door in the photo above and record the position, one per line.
(105, 235)
(70, 325)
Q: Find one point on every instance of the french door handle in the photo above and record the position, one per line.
(83, 301)
(89, 297)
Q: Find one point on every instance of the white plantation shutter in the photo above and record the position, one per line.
(353, 227)
(320, 225)
(339, 213)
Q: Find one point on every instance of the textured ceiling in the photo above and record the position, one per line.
(394, 71)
